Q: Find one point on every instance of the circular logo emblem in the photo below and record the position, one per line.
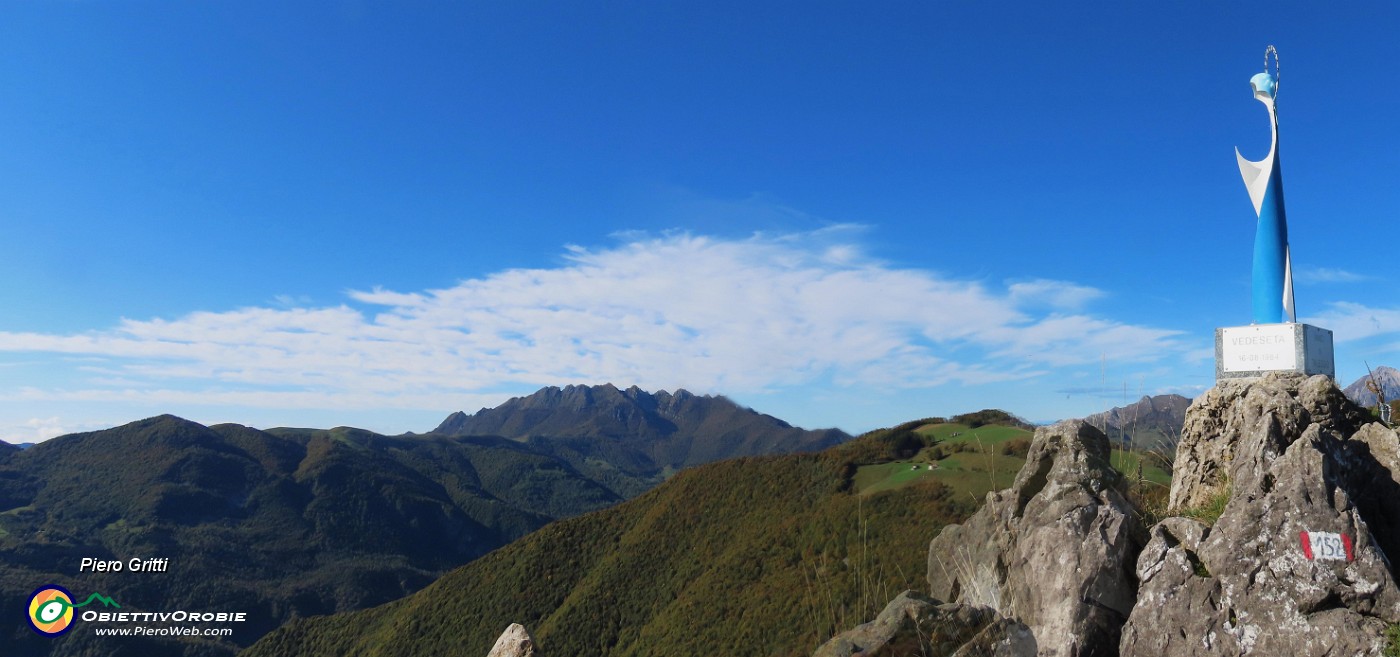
(51, 610)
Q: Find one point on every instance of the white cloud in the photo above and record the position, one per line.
(678, 310)
(39, 429)
(1072, 339)
(1329, 275)
(1053, 294)
(44, 428)
(275, 399)
(1353, 321)
(290, 301)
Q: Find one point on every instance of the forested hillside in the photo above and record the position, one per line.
(753, 556)
(278, 524)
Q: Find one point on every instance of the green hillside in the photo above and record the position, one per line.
(974, 458)
(880, 477)
(971, 460)
(279, 524)
(754, 556)
(1129, 462)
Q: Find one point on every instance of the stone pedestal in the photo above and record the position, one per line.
(1257, 349)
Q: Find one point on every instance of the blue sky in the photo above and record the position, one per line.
(843, 214)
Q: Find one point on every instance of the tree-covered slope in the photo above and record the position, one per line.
(753, 556)
(278, 524)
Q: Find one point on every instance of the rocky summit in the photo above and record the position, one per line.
(1054, 551)
(1297, 562)
(1282, 522)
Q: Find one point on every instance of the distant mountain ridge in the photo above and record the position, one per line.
(280, 524)
(1387, 377)
(630, 439)
(1151, 423)
(288, 523)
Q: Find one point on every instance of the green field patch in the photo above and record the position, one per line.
(889, 476)
(1126, 462)
(973, 485)
(941, 431)
(954, 463)
(975, 473)
(987, 434)
(971, 460)
(121, 526)
(971, 474)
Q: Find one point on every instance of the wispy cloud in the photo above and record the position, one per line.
(1329, 275)
(713, 315)
(1052, 294)
(290, 300)
(1354, 321)
(39, 429)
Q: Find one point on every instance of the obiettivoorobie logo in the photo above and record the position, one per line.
(51, 609)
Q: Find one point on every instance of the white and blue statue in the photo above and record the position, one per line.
(1273, 270)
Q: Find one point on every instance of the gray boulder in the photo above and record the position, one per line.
(1003, 638)
(1292, 566)
(913, 624)
(515, 642)
(1371, 460)
(1218, 421)
(1053, 552)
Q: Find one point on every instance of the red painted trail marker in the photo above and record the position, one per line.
(1326, 546)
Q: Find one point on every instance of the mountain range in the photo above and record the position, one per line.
(587, 512)
(630, 440)
(290, 523)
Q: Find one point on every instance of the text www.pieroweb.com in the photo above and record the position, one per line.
(163, 631)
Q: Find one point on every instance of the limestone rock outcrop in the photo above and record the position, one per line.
(1213, 448)
(913, 624)
(1296, 563)
(1286, 503)
(515, 642)
(1054, 552)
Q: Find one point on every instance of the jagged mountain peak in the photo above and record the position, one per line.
(1153, 422)
(583, 396)
(579, 399)
(643, 433)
